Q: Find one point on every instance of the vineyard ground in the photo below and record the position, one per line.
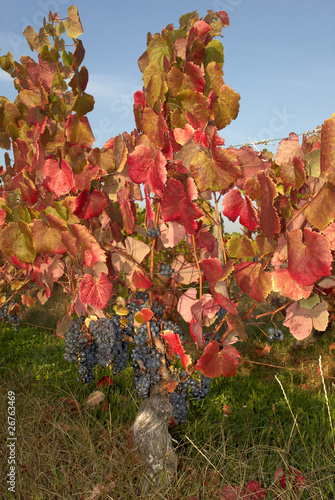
(242, 431)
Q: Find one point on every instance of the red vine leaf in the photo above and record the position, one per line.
(293, 173)
(288, 149)
(175, 344)
(284, 284)
(178, 206)
(253, 279)
(58, 180)
(214, 363)
(269, 220)
(143, 316)
(88, 206)
(96, 294)
(148, 168)
(214, 274)
(310, 260)
(126, 209)
(139, 281)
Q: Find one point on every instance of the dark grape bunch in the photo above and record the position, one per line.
(152, 233)
(179, 403)
(196, 389)
(275, 334)
(13, 319)
(146, 364)
(166, 270)
(101, 344)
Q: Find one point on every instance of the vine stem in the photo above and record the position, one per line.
(197, 264)
(272, 313)
(218, 218)
(122, 252)
(221, 242)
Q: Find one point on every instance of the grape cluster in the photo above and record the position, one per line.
(100, 344)
(197, 389)
(179, 403)
(275, 334)
(152, 233)
(146, 364)
(13, 319)
(166, 270)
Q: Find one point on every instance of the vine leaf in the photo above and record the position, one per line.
(58, 180)
(139, 281)
(214, 363)
(284, 284)
(148, 168)
(310, 260)
(174, 342)
(288, 149)
(75, 28)
(321, 211)
(293, 173)
(96, 294)
(88, 206)
(269, 220)
(253, 279)
(46, 239)
(215, 274)
(328, 149)
(301, 320)
(234, 206)
(143, 316)
(16, 239)
(123, 197)
(215, 173)
(177, 205)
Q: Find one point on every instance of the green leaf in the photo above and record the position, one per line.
(311, 302)
(7, 64)
(214, 52)
(313, 160)
(13, 131)
(214, 74)
(78, 131)
(187, 19)
(11, 113)
(16, 239)
(83, 104)
(75, 28)
(321, 211)
(240, 247)
(226, 108)
(67, 58)
(160, 47)
(51, 55)
(215, 173)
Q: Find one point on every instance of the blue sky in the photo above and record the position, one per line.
(279, 55)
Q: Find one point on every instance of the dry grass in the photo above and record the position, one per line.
(65, 451)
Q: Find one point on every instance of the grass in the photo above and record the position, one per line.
(247, 427)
